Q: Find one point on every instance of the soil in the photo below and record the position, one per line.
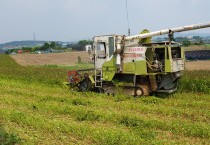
(194, 47)
(71, 58)
(197, 65)
(68, 58)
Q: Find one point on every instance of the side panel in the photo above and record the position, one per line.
(178, 65)
(141, 67)
(168, 67)
(168, 60)
(109, 69)
(133, 54)
(134, 61)
(129, 67)
(137, 68)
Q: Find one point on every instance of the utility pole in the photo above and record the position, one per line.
(34, 36)
(129, 31)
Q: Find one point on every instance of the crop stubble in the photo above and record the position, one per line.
(71, 58)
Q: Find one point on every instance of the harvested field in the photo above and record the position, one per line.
(68, 58)
(71, 58)
(196, 47)
(197, 65)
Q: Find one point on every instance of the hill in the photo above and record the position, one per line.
(27, 43)
(21, 44)
(38, 109)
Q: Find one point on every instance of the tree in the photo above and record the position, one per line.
(52, 44)
(186, 43)
(197, 38)
(85, 42)
(201, 42)
(45, 46)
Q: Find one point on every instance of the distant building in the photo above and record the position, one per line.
(19, 51)
(64, 45)
(88, 48)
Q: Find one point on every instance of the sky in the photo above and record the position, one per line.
(73, 20)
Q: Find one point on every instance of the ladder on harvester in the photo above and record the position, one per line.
(98, 77)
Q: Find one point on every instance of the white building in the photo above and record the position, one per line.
(88, 47)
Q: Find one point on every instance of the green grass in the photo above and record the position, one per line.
(74, 67)
(208, 45)
(81, 66)
(197, 81)
(6, 138)
(40, 110)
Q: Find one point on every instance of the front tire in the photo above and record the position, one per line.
(85, 85)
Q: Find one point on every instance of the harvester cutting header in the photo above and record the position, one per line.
(133, 65)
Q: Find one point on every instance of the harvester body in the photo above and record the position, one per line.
(133, 65)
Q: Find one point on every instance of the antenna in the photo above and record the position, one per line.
(129, 31)
(34, 36)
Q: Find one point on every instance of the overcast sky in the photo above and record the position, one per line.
(73, 20)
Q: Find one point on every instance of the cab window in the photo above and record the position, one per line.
(101, 50)
(176, 52)
(111, 46)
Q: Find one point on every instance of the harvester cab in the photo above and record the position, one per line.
(134, 65)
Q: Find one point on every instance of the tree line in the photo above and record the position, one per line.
(187, 41)
(53, 46)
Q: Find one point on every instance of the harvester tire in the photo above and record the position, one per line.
(84, 85)
(145, 90)
(139, 92)
(100, 90)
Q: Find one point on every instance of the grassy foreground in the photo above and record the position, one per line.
(35, 108)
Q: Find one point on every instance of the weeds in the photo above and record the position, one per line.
(195, 81)
(79, 101)
(8, 139)
(88, 116)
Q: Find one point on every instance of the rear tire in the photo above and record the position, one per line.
(99, 90)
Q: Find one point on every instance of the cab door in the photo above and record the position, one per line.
(100, 56)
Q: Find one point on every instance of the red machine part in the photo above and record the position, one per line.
(74, 77)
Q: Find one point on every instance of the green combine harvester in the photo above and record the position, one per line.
(133, 65)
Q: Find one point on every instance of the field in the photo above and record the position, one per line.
(71, 59)
(196, 47)
(36, 108)
(208, 45)
(66, 59)
(197, 65)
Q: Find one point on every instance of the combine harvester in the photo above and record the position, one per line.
(133, 65)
